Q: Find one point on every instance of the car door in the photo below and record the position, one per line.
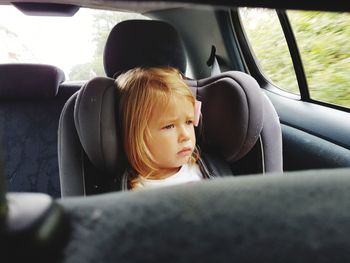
(301, 60)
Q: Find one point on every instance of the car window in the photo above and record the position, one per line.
(74, 44)
(322, 40)
(269, 46)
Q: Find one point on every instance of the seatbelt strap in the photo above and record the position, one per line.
(213, 62)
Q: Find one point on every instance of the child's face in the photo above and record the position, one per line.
(172, 139)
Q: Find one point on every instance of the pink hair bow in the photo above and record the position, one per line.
(197, 112)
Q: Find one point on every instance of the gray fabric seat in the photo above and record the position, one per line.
(274, 218)
(240, 128)
(31, 101)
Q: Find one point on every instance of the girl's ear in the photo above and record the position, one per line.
(197, 112)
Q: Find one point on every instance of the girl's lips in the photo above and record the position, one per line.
(185, 151)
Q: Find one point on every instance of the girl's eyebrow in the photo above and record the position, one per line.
(174, 119)
(167, 120)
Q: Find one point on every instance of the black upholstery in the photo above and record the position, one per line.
(237, 118)
(70, 152)
(30, 106)
(299, 217)
(87, 140)
(29, 81)
(95, 117)
(156, 45)
(229, 99)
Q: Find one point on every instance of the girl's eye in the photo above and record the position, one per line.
(169, 126)
(189, 122)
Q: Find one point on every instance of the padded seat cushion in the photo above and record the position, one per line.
(232, 110)
(95, 120)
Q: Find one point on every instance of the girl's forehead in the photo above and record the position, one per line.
(176, 103)
(173, 108)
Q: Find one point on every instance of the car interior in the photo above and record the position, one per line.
(284, 158)
(95, 126)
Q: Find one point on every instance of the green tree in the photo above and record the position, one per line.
(266, 37)
(323, 41)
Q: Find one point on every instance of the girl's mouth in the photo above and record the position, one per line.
(185, 151)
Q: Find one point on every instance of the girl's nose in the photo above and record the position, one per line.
(184, 134)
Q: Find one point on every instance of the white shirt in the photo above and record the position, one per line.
(186, 174)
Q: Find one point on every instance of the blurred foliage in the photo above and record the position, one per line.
(323, 41)
(270, 47)
(104, 21)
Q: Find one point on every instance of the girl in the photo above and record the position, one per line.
(158, 114)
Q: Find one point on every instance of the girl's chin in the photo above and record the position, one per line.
(182, 161)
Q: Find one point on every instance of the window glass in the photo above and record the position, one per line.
(324, 42)
(74, 44)
(268, 43)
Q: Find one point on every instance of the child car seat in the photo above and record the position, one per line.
(240, 129)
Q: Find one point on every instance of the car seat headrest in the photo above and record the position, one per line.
(232, 110)
(95, 118)
(143, 43)
(232, 120)
(29, 81)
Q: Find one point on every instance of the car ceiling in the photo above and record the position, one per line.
(153, 5)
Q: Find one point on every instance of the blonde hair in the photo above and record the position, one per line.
(141, 91)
